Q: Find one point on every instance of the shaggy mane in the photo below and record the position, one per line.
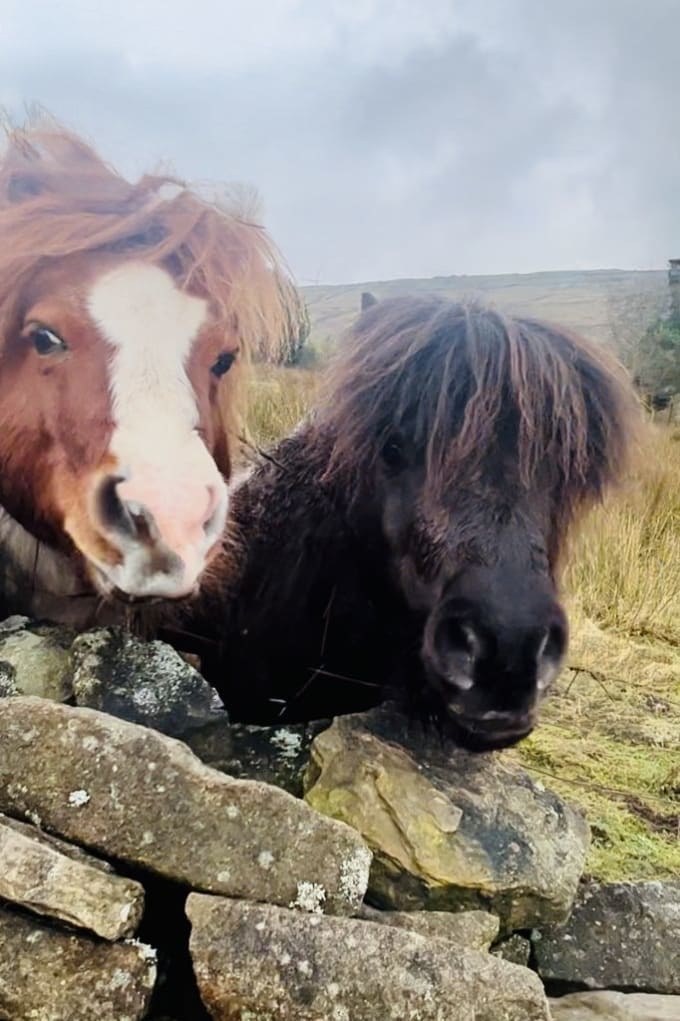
(59, 198)
(465, 381)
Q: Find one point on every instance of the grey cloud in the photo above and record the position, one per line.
(542, 138)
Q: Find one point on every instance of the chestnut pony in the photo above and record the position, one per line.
(407, 538)
(126, 311)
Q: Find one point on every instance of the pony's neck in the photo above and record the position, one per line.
(39, 581)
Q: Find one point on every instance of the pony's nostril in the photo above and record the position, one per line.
(113, 512)
(125, 517)
(554, 642)
(456, 649)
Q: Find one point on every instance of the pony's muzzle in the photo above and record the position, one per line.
(491, 680)
(162, 534)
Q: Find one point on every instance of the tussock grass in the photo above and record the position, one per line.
(279, 399)
(625, 568)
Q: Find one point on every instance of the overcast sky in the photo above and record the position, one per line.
(387, 137)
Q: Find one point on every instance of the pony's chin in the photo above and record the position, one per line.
(473, 736)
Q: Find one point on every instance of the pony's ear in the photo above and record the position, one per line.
(368, 300)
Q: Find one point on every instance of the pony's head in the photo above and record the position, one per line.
(475, 440)
(126, 313)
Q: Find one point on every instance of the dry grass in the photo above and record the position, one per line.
(610, 735)
(279, 399)
(625, 568)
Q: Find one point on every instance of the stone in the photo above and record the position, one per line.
(449, 830)
(48, 975)
(619, 935)
(276, 755)
(337, 969)
(142, 682)
(40, 836)
(8, 685)
(36, 875)
(608, 1006)
(475, 930)
(35, 659)
(140, 797)
(516, 949)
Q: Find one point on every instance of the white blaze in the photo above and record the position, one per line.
(151, 326)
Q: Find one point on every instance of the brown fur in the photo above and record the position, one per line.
(65, 216)
(462, 376)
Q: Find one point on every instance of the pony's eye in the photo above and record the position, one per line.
(46, 342)
(393, 455)
(223, 363)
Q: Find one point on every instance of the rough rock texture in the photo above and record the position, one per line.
(142, 682)
(337, 969)
(620, 935)
(39, 877)
(475, 930)
(62, 846)
(277, 755)
(449, 830)
(609, 1006)
(515, 949)
(138, 796)
(47, 975)
(35, 659)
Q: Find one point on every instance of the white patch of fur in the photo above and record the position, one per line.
(151, 327)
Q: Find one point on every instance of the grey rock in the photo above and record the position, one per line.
(475, 930)
(619, 935)
(449, 830)
(337, 969)
(35, 659)
(277, 755)
(48, 975)
(142, 682)
(516, 949)
(8, 682)
(608, 1006)
(37, 876)
(33, 831)
(133, 794)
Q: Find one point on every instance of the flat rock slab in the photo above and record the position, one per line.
(48, 975)
(135, 795)
(141, 682)
(607, 1006)
(475, 930)
(449, 830)
(620, 935)
(41, 878)
(255, 961)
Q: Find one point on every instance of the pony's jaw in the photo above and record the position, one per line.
(475, 737)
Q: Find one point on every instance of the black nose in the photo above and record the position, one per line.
(492, 667)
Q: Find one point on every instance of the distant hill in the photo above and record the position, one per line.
(609, 305)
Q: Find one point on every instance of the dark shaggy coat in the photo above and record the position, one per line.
(502, 415)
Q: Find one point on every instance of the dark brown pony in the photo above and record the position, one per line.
(407, 538)
(127, 311)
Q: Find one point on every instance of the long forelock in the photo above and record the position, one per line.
(59, 198)
(465, 384)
